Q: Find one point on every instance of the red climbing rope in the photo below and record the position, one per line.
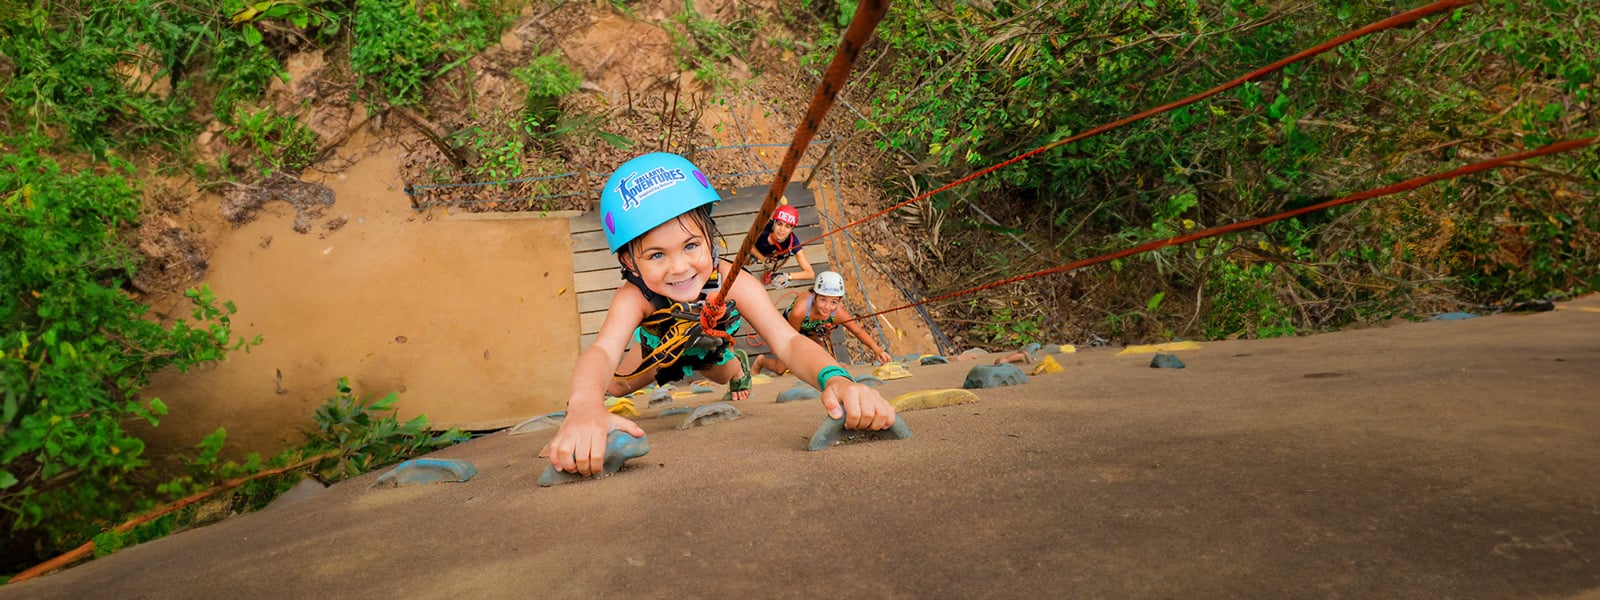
(1389, 23)
(1406, 185)
(868, 14)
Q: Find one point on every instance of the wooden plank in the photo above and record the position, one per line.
(746, 201)
(610, 279)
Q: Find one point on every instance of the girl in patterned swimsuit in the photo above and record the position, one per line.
(815, 315)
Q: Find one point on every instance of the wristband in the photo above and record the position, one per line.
(830, 372)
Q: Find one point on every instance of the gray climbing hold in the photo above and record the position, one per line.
(700, 389)
(1032, 348)
(1164, 360)
(799, 392)
(935, 360)
(907, 358)
(832, 432)
(974, 352)
(1054, 348)
(869, 381)
(710, 413)
(676, 410)
(662, 395)
(560, 414)
(539, 423)
(419, 471)
(993, 376)
(620, 448)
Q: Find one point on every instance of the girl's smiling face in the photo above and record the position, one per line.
(826, 305)
(674, 259)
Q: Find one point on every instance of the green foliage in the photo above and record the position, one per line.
(966, 85)
(276, 142)
(92, 71)
(366, 438)
(400, 45)
(704, 42)
(75, 349)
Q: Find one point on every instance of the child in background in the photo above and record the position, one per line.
(816, 314)
(777, 243)
(656, 215)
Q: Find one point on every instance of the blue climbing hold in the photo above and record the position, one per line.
(420, 471)
(711, 413)
(1453, 316)
(832, 432)
(620, 448)
(799, 392)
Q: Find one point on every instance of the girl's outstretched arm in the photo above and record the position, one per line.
(580, 445)
(860, 406)
(855, 328)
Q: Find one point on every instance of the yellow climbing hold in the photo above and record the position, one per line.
(759, 379)
(624, 407)
(1047, 366)
(932, 399)
(892, 370)
(683, 394)
(1068, 349)
(1167, 347)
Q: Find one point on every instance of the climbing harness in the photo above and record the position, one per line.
(681, 326)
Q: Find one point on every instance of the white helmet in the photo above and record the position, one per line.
(829, 283)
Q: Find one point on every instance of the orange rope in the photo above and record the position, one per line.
(868, 14)
(1389, 23)
(1406, 185)
(81, 552)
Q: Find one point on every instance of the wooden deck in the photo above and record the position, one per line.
(596, 274)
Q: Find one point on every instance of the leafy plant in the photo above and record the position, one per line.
(75, 350)
(367, 439)
(400, 45)
(278, 142)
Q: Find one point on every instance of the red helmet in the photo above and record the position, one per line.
(787, 214)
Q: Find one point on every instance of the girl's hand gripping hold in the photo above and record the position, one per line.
(861, 406)
(580, 445)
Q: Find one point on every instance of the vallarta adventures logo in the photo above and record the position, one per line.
(635, 187)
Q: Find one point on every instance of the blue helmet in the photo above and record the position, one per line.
(648, 191)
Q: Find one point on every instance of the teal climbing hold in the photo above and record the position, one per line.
(676, 410)
(869, 381)
(832, 432)
(935, 360)
(620, 448)
(799, 392)
(420, 471)
(993, 376)
(1166, 360)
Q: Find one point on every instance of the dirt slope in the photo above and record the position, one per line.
(1432, 460)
